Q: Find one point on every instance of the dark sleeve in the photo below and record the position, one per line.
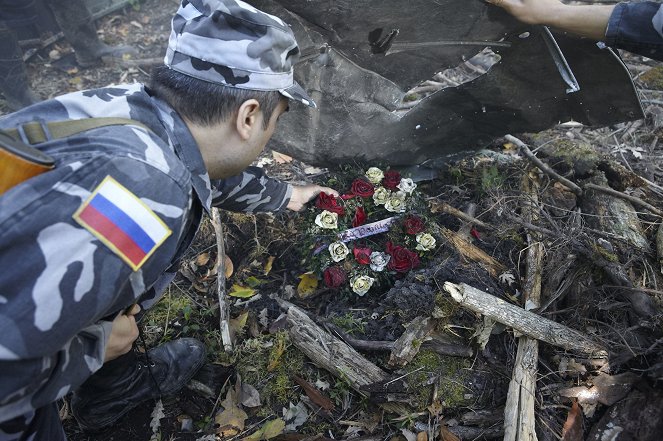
(637, 28)
(251, 191)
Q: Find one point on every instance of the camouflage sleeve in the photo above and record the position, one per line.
(637, 28)
(250, 192)
(68, 278)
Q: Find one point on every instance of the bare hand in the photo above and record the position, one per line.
(588, 21)
(123, 334)
(301, 194)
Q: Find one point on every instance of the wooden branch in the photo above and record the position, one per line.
(473, 253)
(523, 321)
(519, 412)
(618, 194)
(450, 349)
(224, 311)
(408, 345)
(329, 352)
(541, 165)
(642, 304)
(659, 245)
(446, 208)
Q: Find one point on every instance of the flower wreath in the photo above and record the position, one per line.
(370, 235)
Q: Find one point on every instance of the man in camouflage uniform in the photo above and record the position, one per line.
(104, 229)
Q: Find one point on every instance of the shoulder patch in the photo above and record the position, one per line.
(119, 219)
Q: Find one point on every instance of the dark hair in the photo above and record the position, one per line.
(207, 103)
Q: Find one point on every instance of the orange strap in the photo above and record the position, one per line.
(15, 169)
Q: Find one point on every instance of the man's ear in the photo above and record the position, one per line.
(249, 118)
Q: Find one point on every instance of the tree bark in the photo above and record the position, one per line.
(523, 321)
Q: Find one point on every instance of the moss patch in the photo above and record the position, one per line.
(653, 78)
(449, 373)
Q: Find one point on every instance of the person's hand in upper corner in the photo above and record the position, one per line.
(588, 21)
(301, 194)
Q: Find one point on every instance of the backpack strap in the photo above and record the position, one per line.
(20, 161)
(37, 132)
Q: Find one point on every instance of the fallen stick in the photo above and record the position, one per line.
(224, 311)
(329, 352)
(526, 322)
(446, 208)
(632, 199)
(541, 165)
(434, 345)
(473, 253)
(408, 345)
(519, 412)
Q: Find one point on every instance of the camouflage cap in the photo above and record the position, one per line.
(232, 43)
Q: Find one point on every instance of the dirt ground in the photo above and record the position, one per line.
(462, 395)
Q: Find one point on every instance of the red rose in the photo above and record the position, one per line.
(362, 255)
(334, 276)
(360, 217)
(362, 188)
(402, 260)
(391, 180)
(328, 202)
(413, 225)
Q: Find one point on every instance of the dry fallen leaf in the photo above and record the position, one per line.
(572, 430)
(250, 397)
(269, 430)
(314, 394)
(281, 158)
(238, 323)
(307, 285)
(447, 435)
(241, 292)
(422, 436)
(202, 259)
(268, 265)
(231, 419)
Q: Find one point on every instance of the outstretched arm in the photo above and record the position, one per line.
(588, 21)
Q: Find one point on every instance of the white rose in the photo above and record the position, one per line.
(425, 242)
(327, 220)
(338, 251)
(374, 175)
(361, 285)
(395, 203)
(380, 196)
(379, 261)
(407, 185)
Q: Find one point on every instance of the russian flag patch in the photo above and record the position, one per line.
(123, 222)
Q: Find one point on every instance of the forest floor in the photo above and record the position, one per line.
(426, 365)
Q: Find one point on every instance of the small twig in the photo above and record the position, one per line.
(632, 199)
(224, 311)
(544, 168)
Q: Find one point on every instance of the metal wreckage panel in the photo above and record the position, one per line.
(361, 56)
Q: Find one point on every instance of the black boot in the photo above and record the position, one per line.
(78, 28)
(122, 384)
(14, 83)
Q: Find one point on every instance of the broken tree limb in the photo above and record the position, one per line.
(329, 352)
(442, 348)
(526, 322)
(473, 253)
(408, 345)
(659, 245)
(519, 412)
(541, 165)
(632, 199)
(224, 311)
(446, 208)
(642, 304)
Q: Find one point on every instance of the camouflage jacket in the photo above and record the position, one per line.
(65, 269)
(637, 28)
